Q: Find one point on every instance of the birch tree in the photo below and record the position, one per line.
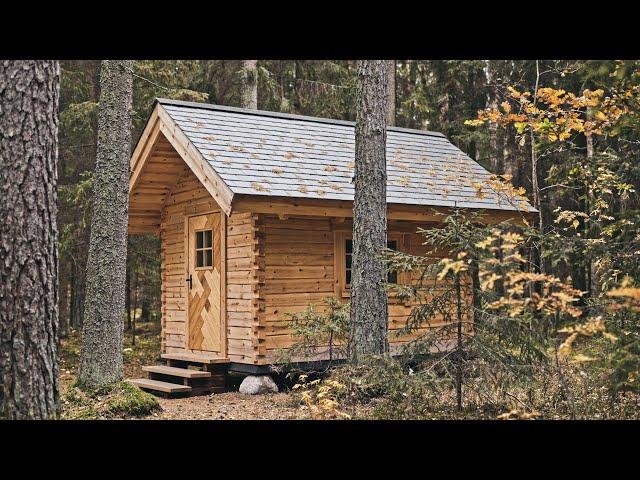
(29, 95)
(101, 355)
(368, 294)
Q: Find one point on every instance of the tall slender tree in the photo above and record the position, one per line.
(249, 95)
(368, 294)
(391, 96)
(101, 355)
(496, 139)
(29, 95)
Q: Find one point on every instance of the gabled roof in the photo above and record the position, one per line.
(274, 154)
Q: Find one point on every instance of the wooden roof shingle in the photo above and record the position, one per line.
(276, 154)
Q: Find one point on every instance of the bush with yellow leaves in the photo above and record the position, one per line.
(321, 397)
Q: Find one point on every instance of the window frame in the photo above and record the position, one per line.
(339, 251)
(202, 249)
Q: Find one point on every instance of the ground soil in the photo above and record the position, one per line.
(231, 406)
(225, 406)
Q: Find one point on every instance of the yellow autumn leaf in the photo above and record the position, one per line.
(580, 358)
(567, 345)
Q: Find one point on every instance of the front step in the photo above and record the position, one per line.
(194, 358)
(158, 386)
(176, 372)
(185, 373)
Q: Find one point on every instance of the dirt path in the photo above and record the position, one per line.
(231, 406)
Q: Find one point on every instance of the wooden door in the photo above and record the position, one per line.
(204, 282)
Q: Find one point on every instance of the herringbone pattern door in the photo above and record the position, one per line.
(203, 247)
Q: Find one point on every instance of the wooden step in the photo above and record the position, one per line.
(176, 372)
(195, 357)
(158, 386)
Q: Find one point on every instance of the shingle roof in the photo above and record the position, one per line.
(276, 154)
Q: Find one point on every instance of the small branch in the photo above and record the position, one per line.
(559, 185)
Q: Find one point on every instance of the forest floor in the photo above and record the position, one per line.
(588, 386)
(146, 351)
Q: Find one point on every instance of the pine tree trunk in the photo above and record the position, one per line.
(459, 350)
(72, 300)
(249, 93)
(496, 139)
(63, 310)
(101, 356)
(127, 297)
(77, 302)
(592, 273)
(144, 310)
(391, 93)
(29, 94)
(135, 311)
(368, 295)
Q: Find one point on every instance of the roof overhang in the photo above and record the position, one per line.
(286, 206)
(161, 122)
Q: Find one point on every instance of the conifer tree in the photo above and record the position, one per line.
(29, 93)
(368, 292)
(101, 355)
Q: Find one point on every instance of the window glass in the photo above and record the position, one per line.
(204, 249)
(392, 276)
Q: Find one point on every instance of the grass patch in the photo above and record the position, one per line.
(118, 400)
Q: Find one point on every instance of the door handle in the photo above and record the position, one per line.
(190, 281)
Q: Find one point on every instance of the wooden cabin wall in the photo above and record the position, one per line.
(189, 197)
(299, 270)
(273, 266)
(244, 274)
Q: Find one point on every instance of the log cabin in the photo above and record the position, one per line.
(254, 213)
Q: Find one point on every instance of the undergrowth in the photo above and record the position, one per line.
(118, 400)
(393, 389)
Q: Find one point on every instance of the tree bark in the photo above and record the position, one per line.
(144, 309)
(249, 93)
(63, 310)
(127, 297)
(101, 355)
(135, 310)
(78, 295)
(29, 95)
(391, 93)
(592, 273)
(534, 161)
(496, 140)
(368, 294)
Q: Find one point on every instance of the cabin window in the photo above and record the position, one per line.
(204, 249)
(344, 259)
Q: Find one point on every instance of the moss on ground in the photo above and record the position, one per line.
(118, 400)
